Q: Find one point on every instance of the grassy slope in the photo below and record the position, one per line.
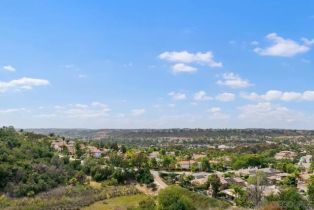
(122, 203)
(66, 198)
(202, 202)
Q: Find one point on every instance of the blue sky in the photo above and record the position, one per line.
(157, 64)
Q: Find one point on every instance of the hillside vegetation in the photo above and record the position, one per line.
(28, 164)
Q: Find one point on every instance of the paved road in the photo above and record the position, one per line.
(157, 179)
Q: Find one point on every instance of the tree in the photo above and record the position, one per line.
(76, 164)
(290, 199)
(185, 181)
(171, 199)
(258, 181)
(310, 191)
(153, 163)
(123, 149)
(162, 152)
(205, 164)
(290, 181)
(80, 177)
(114, 146)
(166, 162)
(116, 160)
(140, 160)
(144, 176)
(78, 150)
(120, 175)
(101, 173)
(241, 196)
(194, 167)
(214, 183)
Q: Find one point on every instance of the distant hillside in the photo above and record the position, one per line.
(160, 133)
(72, 133)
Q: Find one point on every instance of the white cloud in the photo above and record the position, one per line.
(92, 110)
(291, 96)
(217, 114)
(307, 41)
(181, 67)
(201, 96)
(273, 95)
(22, 83)
(12, 110)
(308, 95)
(250, 96)
(83, 106)
(206, 58)
(99, 105)
(9, 68)
(177, 96)
(233, 81)
(214, 110)
(138, 112)
(284, 47)
(267, 112)
(225, 97)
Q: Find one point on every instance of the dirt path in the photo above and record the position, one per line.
(158, 181)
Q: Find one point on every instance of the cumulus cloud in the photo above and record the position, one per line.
(92, 110)
(225, 97)
(181, 67)
(307, 41)
(206, 58)
(233, 81)
(201, 96)
(272, 95)
(22, 83)
(308, 95)
(284, 47)
(182, 58)
(268, 113)
(9, 68)
(177, 96)
(138, 112)
(217, 114)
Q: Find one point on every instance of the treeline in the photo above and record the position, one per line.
(197, 133)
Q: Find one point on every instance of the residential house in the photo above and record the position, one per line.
(94, 151)
(154, 154)
(198, 156)
(285, 155)
(276, 178)
(58, 145)
(305, 162)
(185, 164)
